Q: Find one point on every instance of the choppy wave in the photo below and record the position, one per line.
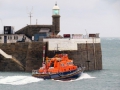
(110, 38)
(18, 80)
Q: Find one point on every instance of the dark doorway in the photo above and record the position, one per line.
(5, 39)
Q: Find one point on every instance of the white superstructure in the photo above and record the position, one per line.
(68, 43)
(13, 38)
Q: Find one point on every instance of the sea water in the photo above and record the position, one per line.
(106, 79)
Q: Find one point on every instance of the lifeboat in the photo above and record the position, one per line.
(60, 67)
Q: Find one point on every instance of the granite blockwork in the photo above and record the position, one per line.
(30, 55)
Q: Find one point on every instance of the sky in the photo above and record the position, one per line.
(77, 16)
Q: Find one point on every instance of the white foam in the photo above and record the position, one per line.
(1, 77)
(19, 80)
(83, 76)
(22, 80)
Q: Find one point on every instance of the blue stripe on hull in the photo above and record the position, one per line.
(52, 76)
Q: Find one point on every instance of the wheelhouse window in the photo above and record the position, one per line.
(62, 64)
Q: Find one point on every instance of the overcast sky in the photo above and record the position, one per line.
(96, 16)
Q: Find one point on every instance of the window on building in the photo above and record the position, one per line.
(16, 37)
(6, 32)
(0, 37)
(8, 37)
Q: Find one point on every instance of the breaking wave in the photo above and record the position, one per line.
(18, 80)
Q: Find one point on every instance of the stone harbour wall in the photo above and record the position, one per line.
(30, 55)
(87, 55)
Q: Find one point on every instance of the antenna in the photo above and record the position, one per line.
(30, 14)
(56, 3)
(2, 24)
(36, 21)
(86, 33)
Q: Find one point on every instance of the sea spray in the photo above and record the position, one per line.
(22, 80)
(18, 80)
(83, 76)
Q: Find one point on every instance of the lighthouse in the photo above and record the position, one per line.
(56, 19)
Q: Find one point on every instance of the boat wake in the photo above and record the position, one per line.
(22, 80)
(83, 76)
(18, 80)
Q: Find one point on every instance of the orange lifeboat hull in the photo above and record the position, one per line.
(60, 76)
(58, 68)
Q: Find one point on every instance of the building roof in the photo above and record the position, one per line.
(31, 30)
